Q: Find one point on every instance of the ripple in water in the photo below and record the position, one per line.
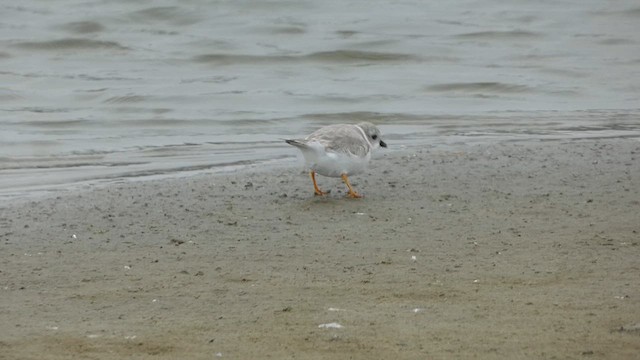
(71, 44)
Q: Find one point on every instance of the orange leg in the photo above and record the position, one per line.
(352, 194)
(317, 191)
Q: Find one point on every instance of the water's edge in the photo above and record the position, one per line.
(34, 178)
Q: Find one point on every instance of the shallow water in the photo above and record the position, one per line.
(106, 90)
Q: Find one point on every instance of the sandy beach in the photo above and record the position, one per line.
(526, 249)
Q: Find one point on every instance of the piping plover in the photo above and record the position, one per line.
(339, 151)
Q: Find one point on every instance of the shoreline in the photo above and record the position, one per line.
(509, 249)
(22, 176)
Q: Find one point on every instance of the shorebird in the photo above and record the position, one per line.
(339, 151)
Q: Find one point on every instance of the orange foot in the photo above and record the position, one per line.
(352, 194)
(317, 191)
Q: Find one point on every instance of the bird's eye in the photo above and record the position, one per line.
(374, 137)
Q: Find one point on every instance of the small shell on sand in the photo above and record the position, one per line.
(332, 325)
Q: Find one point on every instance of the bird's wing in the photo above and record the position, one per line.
(346, 139)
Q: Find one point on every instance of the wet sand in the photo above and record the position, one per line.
(508, 250)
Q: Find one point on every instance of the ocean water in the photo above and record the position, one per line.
(105, 90)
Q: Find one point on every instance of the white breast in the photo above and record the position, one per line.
(333, 164)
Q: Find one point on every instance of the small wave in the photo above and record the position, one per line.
(526, 19)
(180, 169)
(106, 78)
(362, 116)
(9, 95)
(171, 14)
(217, 79)
(125, 99)
(228, 59)
(341, 56)
(631, 12)
(54, 124)
(616, 41)
(335, 56)
(160, 123)
(4, 55)
(350, 99)
(22, 8)
(83, 27)
(71, 43)
(499, 35)
(76, 160)
(375, 44)
(347, 33)
(562, 72)
(42, 110)
(479, 87)
(288, 30)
